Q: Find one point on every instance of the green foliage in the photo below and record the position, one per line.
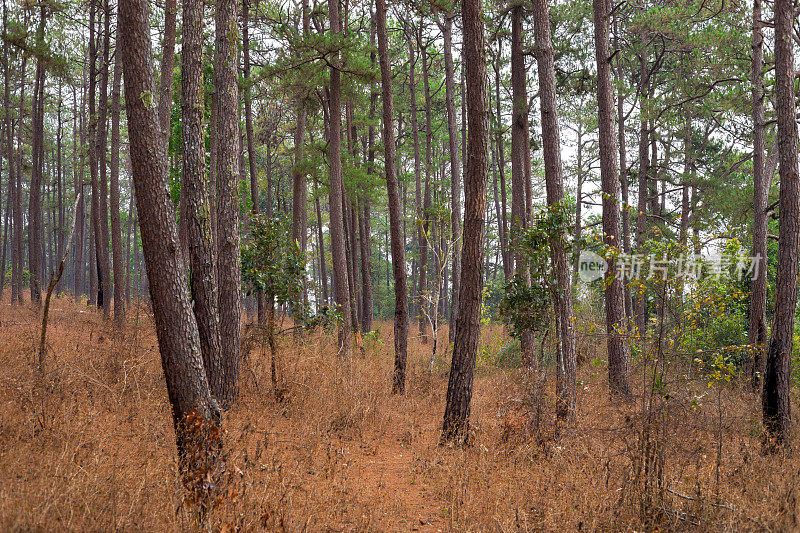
(716, 317)
(526, 306)
(272, 262)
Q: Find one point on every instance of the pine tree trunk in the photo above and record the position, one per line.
(194, 186)
(776, 403)
(520, 162)
(228, 253)
(465, 349)
(554, 182)
(508, 258)
(415, 267)
(176, 328)
(166, 68)
(336, 196)
(395, 218)
(640, 307)
(35, 229)
(116, 228)
(618, 369)
(623, 176)
(19, 261)
(455, 174)
(104, 272)
(424, 307)
(9, 155)
(758, 297)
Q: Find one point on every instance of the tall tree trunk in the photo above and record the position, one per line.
(508, 258)
(104, 268)
(35, 230)
(248, 126)
(80, 210)
(60, 226)
(14, 204)
(19, 265)
(95, 298)
(395, 219)
(776, 403)
(618, 369)
(455, 174)
(176, 328)
(116, 228)
(623, 174)
(228, 266)
(167, 67)
(758, 297)
(416, 272)
(640, 303)
(364, 216)
(336, 196)
(465, 349)
(299, 186)
(520, 162)
(424, 307)
(578, 229)
(366, 267)
(554, 182)
(194, 186)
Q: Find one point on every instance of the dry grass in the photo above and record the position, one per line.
(93, 449)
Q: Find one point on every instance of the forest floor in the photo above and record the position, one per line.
(93, 448)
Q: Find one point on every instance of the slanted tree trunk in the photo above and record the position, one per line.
(176, 328)
(554, 182)
(395, 218)
(194, 186)
(758, 296)
(226, 81)
(465, 349)
(116, 228)
(618, 369)
(336, 196)
(776, 403)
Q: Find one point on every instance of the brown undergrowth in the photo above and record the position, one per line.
(92, 448)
